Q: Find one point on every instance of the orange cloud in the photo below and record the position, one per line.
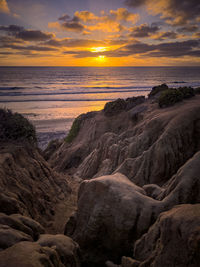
(4, 7)
(86, 16)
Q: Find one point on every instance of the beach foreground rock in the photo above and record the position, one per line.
(173, 240)
(27, 183)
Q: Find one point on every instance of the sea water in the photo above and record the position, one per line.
(51, 97)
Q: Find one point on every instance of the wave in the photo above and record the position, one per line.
(11, 88)
(70, 93)
(56, 100)
(179, 82)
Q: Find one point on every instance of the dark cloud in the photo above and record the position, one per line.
(144, 30)
(175, 12)
(11, 29)
(135, 3)
(173, 49)
(166, 35)
(64, 17)
(26, 35)
(28, 48)
(31, 35)
(73, 26)
(68, 42)
(188, 28)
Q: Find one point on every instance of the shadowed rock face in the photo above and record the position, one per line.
(113, 212)
(147, 144)
(116, 213)
(173, 240)
(23, 243)
(27, 184)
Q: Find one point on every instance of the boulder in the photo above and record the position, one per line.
(16, 228)
(112, 213)
(29, 254)
(67, 249)
(10, 236)
(173, 240)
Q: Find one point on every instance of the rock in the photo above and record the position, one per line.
(112, 212)
(10, 236)
(129, 262)
(35, 226)
(132, 102)
(146, 144)
(173, 240)
(28, 254)
(28, 185)
(15, 224)
(136, 112)
(184, 186)
(153, 190)
(8, 204)
(16, 228)
(52, 146)
(67, 249)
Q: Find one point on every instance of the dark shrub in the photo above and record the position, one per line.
(158, 89)
(132, 102)
(77, 125)
(114, 107)
(74, 130)
(197, 90)
(187, 91)
(13, 126)
(170, 97)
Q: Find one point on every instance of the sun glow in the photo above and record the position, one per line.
(101, 58)
(99, 49)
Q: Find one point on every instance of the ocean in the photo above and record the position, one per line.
(51, 97)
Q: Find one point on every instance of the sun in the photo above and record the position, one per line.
(101, 58)
(98, 49)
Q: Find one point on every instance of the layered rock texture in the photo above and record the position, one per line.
(30, 192)
(136, 164)
(27, 183)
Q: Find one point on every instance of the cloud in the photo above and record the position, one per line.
(4, 7)
(188, 28)
(11, 29)
(28, 48)
(175, 12)
(73, 26)
(139, 49)
(122, 15)
(144, 30)
(32, 35)
(87, 22)
(166, 35)
(86, 16)
(26, 35)
(68, 24)
(173, 49)
(135, 3)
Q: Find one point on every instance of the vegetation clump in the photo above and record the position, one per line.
(114, 107)
(74, 130)
(197, 90)
(13, 126)
(158, 89)
(187, 92)
(170, 97)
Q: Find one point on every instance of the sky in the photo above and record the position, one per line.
(100, 33)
